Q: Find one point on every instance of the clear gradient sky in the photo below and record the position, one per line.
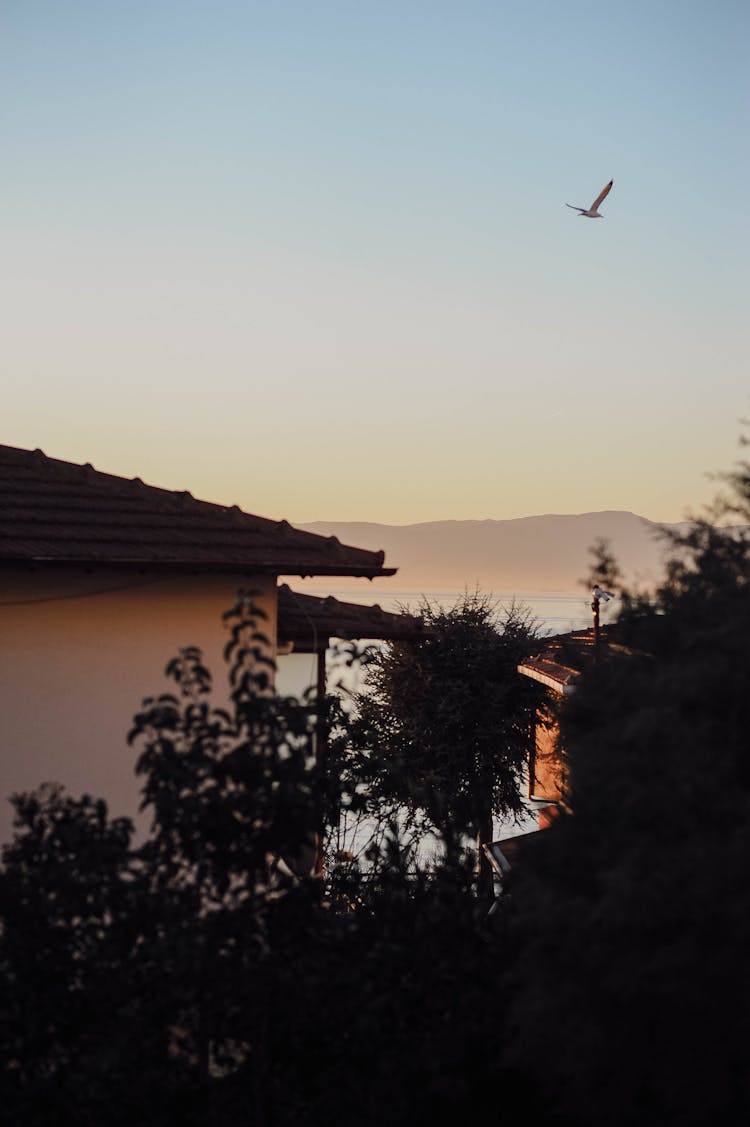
(313, 257)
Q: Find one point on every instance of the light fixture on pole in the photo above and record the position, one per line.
(598, 594)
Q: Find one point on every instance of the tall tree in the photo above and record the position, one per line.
(631, 915)
(445, 720)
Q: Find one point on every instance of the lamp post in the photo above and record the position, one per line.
(597, 595)
(595, 609)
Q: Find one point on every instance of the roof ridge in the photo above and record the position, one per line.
(182, 496)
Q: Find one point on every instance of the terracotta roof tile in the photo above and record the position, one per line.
(564, 657)
(55, 512)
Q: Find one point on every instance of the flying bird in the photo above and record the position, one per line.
(593, 212)
(600, 593)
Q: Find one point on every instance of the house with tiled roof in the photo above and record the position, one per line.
(559, 665)
(102, 580)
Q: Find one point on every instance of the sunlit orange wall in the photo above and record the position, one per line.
(75, 664)
(546, 770)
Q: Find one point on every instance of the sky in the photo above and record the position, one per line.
(313, 258)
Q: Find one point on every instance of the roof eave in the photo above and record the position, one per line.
(192, 566)
(560, 687)
(357, 573)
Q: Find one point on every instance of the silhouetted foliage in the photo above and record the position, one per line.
(445, 721)
(604, 570)
(633, 915)
(149, 972)
(68, 902)
(203, 977)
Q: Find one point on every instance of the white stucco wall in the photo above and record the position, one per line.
(78, 653)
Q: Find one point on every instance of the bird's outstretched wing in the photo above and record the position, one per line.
(574, 207)
(602, 196)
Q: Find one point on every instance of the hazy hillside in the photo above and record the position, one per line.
(542, 553)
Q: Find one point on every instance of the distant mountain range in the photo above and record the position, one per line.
(542, 553)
